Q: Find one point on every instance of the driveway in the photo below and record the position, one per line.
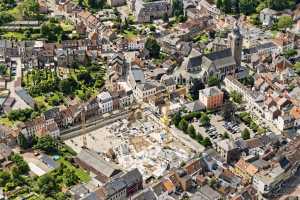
(19, 104)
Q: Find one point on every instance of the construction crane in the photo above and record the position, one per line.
(83, 126)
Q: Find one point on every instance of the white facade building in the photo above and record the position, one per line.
(105, 102)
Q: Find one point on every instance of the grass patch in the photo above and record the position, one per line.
(6, 122)
(41, 101)
(67, 26)
(82, 175)
(130, 35)
(14, 35)
(16, 13)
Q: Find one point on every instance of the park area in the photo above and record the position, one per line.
(51, 87)
(43, 171)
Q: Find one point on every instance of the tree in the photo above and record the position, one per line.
(191, 131)
(254, 19)
(3, 69)
(212, 182)
(27, 34)
(280, 5)
(177, 7)
(5, 18)
(199, 137)
(152, 28)
(22, 141)
(21, 166)
(29, 8)
(80, 3)
(236, 6)
(246, 134)
(47, 185)
(248, 6)
(4, 178)
(248, 80)
(225, 135)
(206, 142)
(20, 114)
(228, 111)
(219, 4)
(176, 119)
(196, 86)
(68, 86)
(47, 144)
(213, 81)
(297, 67)
(236, 97)
(183, 125)
(70, 178)
(86, 77)
(52, 31)
(290, 53)
(54, 99)
(227, 5)
(285, 22)
(153, 47)
(96, 4)
(204, 119)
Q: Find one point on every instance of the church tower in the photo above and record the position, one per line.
(236, 41)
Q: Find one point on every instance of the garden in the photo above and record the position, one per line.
(51, 89)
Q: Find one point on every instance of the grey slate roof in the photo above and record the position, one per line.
(195, 106)
(51, 113)
(49, 161)
(95, 161)
(219, 54)
(207, 193)
(23, 94)
(146, 86)
(145, 195)
(114, 186)
(138, 75)
(132, 177)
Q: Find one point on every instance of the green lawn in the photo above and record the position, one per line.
(14, 35)
(129, 35)
(5, 121)
(15, 12)
(67, 27)
(41, 101)
(82, 174)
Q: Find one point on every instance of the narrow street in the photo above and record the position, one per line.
(19, 104)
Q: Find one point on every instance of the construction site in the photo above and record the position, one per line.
(136, 142)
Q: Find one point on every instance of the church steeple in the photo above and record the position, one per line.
(236, 42)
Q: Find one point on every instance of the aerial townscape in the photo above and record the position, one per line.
(149, 99)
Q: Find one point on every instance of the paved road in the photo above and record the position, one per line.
(92, 125)
(19, 104)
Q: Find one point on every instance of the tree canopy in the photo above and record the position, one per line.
(285, 22)
(183, 125)
(204, 120)
(228, 111)
(248, 7)
(153, 47)
(47, 144)
(213, 81)
(236, 97)
(191, 131)
(246, 134)
(52, 31)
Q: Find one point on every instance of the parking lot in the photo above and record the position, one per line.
(218, 127)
